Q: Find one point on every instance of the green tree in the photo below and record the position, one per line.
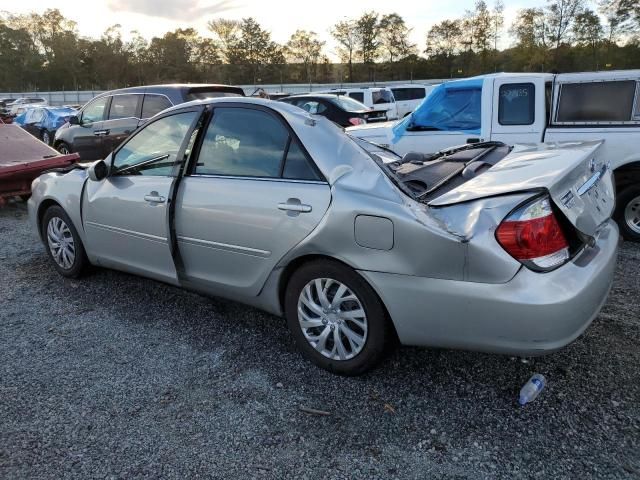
(304, 47)
(444, 42)
(394, 37)
(588, 33)
(345, 33)
(367, 40)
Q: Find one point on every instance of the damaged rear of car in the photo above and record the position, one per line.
(535, 235)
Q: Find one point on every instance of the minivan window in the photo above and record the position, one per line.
(593, 102)
(382, 96)
(94, 112)
(242, 142)
(516, 104)
(153, 104)
(123, 106)
(359, 96)
(412, 93)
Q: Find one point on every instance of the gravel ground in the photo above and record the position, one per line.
(121, 377)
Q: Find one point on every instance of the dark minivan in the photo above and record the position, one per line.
(105, 121)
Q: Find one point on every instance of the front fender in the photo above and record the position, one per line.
(63, 189)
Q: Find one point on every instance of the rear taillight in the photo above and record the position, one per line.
(533, 236)
(357, 121)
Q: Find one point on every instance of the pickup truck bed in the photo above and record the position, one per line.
(22, 159)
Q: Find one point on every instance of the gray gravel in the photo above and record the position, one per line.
(121, 377)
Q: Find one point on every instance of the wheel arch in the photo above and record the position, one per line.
(298, 262)
(42, 208)
(627, 174)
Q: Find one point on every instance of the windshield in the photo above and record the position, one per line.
(382, 96)
(349, 104)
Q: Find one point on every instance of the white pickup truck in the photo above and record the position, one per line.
(532, 108)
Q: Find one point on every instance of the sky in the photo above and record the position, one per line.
(281, 17)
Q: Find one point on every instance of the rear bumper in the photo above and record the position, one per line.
(533, 314)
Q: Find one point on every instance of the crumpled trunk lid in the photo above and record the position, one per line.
(580, 183)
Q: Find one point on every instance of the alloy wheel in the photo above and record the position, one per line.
(61, 244)
(332, 319)
(632, 214)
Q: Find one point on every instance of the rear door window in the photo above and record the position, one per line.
(596, 102)
(242, 142)
(153, 104)
(245, 142)
(516, 104)
(124, 106)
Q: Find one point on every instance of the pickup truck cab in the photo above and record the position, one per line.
(532, 108)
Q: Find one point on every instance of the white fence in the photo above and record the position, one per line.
(83, 96)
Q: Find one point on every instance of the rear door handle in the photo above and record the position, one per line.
(294, 205)
(153, 197)
(101, 132)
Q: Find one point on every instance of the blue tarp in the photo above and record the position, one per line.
(50, 118)
(451, 106)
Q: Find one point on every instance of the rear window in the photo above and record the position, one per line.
(349, 104)
(359, 96)
(154, 104)
(596, 102)
(413, 93)
(202, 93)
(382, 96)
(516, 105)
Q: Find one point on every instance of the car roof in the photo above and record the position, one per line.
(327, 96)
(169, 87)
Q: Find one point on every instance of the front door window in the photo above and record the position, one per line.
(153, 150)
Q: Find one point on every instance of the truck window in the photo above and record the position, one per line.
(595, 102)
(516, 104)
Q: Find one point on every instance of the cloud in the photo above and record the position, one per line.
(186, 11)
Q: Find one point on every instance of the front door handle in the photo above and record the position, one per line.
(101, 133)
(294, 206)
(154, 197)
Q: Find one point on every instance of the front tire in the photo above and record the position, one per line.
(336, 319)
(45, 137)
(627, 213)
(63, 148)
(63, 243)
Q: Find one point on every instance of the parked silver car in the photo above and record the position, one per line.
(481, 247)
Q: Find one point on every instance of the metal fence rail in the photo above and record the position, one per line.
(80, 97)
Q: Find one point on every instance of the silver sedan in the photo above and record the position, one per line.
(484, 246)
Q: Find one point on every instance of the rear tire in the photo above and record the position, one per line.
(344, 329)
(63, 243)
(627, 213)
(45, 137)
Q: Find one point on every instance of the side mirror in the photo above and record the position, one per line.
(98, 171)
(74, 120)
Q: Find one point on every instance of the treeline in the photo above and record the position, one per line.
(45, 52)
